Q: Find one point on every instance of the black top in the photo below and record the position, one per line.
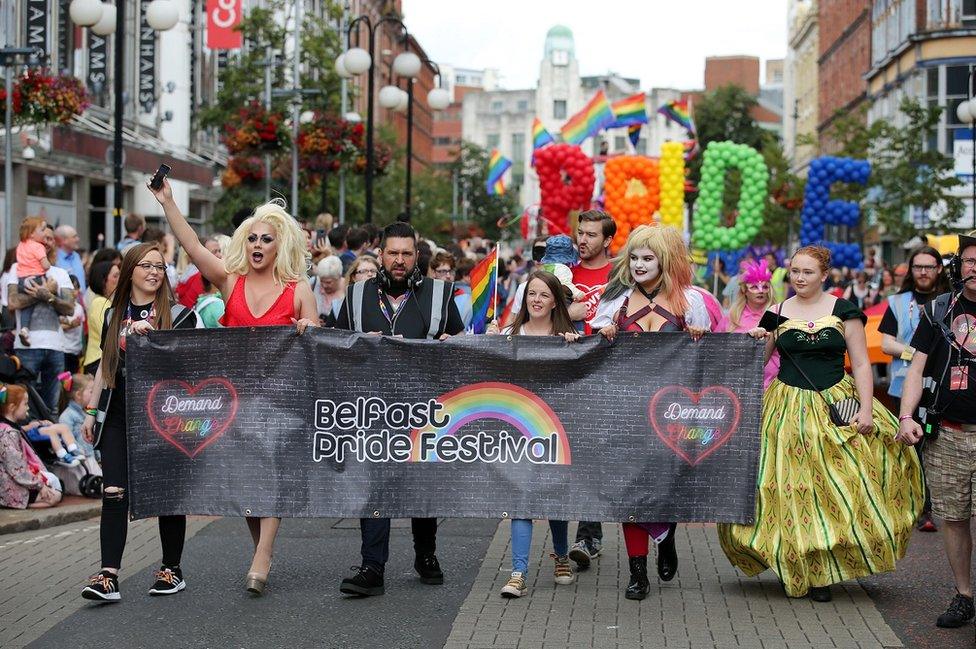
(889, 323)
(818, 346)
(411, 320)
(955, 404)
(134, 313)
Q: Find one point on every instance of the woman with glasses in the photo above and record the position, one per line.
(263, 278)
(442, 267)
(142, 302)
(365, 267)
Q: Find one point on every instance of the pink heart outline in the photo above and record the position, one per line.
(695, 398)
(191, 390)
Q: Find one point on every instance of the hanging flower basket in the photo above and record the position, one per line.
(257, 131)
(40, 98)
(242, 170)
(329, 142)
(382, 155)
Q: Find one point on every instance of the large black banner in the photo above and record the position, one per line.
(265, 422)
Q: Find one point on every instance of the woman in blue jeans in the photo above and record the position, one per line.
(542, 313)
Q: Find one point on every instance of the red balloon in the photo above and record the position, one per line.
(559, 197)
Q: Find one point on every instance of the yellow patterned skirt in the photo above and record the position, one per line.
(832, 504)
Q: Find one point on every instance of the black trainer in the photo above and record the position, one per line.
(667, 556)
(639, 586)
(820, 593)
(959, 612)
(429, 570)
(103, 587)
(366, 582)
(168, 581)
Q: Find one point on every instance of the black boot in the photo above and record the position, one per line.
(639, 586)
(429, 569)
(820, 593)
(667, 556)
(367, 581)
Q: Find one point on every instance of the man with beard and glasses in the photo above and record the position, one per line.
(926, 280)
(399, 301)
(943, 361)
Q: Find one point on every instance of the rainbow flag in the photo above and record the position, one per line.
(677, 111)
(629, 111)
(497, 166)
(540, 136)
(484, 279)
(633, 132)
(594, 117)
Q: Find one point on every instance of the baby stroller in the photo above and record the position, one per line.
(84, 479)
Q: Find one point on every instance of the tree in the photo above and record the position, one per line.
(906, 173)
(482, 209)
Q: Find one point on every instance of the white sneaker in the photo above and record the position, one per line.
(515, 586)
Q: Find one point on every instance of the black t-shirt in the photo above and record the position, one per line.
(889, 323)
(960, 404)
(135, 313)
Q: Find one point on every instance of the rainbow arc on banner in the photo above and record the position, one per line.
(484, 280)
(595, 116)
(540, 136)
(629, 111)
(497, 166)
(677, 111)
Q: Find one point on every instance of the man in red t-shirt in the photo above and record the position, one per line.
(593, 237)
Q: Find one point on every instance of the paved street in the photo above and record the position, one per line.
(708, 605)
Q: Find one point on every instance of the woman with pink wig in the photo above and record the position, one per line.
(754, 297)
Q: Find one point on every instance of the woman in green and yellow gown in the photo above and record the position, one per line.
(833, 503)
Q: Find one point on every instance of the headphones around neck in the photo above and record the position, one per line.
(414, 280)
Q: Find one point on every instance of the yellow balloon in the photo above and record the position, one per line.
(672, 184)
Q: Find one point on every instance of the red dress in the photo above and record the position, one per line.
(238, 313)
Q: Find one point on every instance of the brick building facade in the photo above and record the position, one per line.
(845, 57)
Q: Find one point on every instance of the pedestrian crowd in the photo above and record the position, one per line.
(840, 487)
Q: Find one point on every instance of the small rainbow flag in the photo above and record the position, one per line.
(484, 278)
(595, 116)
(629, 111)
(497, 166)
(633, 132)
(677, 111)
(540, 136)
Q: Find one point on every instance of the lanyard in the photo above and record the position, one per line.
(386, 310)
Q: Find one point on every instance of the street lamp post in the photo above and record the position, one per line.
(438, 99)
(966, 112)
(161, 15)
(356, 60)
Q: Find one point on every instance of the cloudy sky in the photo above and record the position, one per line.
(663, 42)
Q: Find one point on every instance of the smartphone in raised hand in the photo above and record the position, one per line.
(156, 183)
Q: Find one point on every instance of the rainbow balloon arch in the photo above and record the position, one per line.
(641, 190)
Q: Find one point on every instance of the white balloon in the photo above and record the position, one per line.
(162, 15)
(357, 60)
(85, 13)
(965, 112)
(353, 117)
(105, 24)
(340, 67)
(306, 117)
(389, 96)
(438, 99)
(407, 64)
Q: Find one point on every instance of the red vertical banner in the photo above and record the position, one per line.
(223, 16)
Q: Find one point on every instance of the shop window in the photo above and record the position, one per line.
(42, 185)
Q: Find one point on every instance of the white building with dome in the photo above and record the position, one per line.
(502, 119)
